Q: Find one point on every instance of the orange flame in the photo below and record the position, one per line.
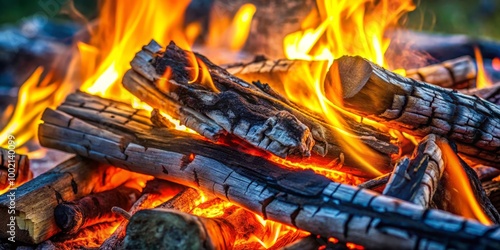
(460, 181)
(483, 80)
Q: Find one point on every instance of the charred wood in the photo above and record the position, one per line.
(184, 201)
(172, 229)
(95, 208)
(35, 200)
(298, 198)
(490, 93)
(14, 169)
(416, 179)
(459, 73)
(231, 105)
(420, 109)
(154, 191)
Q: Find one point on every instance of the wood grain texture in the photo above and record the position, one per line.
(17, 165)
(420, 109)
(231, 105)
(35, 200)
(416, 179)
(294, 197)
(459, 73)
(490, 93)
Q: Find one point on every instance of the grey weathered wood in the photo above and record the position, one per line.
(490, 93)
(36, 199)
(458, 73)
(416, 179)
(420, 109)
(294, 197)
(21, 169)
(231, 105)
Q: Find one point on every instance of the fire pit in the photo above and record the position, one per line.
(267, 125)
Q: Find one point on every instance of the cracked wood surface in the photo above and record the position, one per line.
(420, 109)
(35, 200)
(251, 112)
(21, 165)
(293, 197)
(416, 179)
(490, 93)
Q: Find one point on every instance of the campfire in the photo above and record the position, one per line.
(253, 125)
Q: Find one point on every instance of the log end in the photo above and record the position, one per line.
(68, 217)
(353, 72)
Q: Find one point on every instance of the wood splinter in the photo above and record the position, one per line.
(94, 208)
(416, 179)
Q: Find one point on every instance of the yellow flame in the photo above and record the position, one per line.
(460, 181)
(334, 29)
(483, 80)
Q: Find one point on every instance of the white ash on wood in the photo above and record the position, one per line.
(293, 197)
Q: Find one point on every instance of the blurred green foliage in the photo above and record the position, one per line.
(480, 18)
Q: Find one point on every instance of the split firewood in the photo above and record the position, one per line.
(216, 103)
(95, 208)
(376, 183)
(490, 93)
(459, 73)
(154, 192)
(35, 200)
(179, 231)
(416, 179)
(420, 109)
(15, 165)
(294, 197)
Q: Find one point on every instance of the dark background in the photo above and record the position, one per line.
(477, 18)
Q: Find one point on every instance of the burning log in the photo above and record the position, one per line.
(15, 165)
(459, 73)
(416, 179)
(420, 109)
(154, 191)
(95, 208)
(490, 93)
(230, 105)
(185, 201)
(35, 200)
(307, 243)
(179, 231)
(294, 197)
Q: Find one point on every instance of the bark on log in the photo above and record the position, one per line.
(492, 190)
(459, 73)
(231, 105)
(491, 93)
(155, 190)
(171, 229)
(420, 109)
(35, 200)
(294, 197)
(485, 173)
(94, 208)
(416, 179)
(18, 166)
